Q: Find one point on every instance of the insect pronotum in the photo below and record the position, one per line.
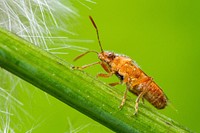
(128, 73)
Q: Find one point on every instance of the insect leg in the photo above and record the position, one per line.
(115, 83)
(105, 75)
(85, 66)
(145, 87)
(137, 101)
(105, 67)
(143, 100)
(124, 98)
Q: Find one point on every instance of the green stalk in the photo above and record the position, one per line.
(77, 89)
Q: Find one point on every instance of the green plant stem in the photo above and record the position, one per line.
(77, 89)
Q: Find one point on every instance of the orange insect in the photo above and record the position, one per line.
(130, 74)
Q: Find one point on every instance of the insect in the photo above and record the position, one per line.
(128, 73)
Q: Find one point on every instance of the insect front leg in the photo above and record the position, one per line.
(115, 83)
(105, 75)
(107, 69)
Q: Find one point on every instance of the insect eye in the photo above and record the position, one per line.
(110, 55)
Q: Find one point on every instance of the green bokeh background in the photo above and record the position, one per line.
(163, 37)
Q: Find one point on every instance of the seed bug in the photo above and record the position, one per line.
(128, 73)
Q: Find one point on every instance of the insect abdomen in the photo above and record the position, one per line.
(155, 96)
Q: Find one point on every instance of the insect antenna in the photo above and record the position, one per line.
(81, 55)
(97, 33)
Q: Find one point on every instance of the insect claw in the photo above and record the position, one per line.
(73, 67)
(136, 108)
(120, 107)
(77, 68)
(135, 113)
(97, 76)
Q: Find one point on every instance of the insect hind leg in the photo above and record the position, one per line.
(145, 87)
(137, 101)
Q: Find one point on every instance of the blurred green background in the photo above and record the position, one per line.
(163, 37)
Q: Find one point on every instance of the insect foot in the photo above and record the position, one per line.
(77, 68)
